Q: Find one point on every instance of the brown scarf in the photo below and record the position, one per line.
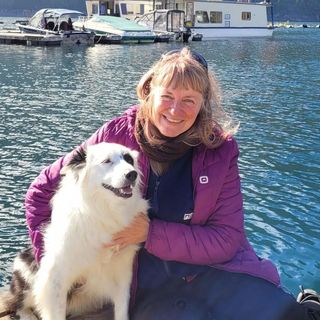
(166, 150)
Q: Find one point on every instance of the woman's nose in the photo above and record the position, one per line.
(175, 107)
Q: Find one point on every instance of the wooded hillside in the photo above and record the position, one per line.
(296, 10)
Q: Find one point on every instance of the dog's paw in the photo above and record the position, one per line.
(27, 315)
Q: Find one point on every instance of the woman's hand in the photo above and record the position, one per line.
(135, 233)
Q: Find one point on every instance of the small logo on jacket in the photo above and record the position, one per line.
(204, 179)
(188, 216)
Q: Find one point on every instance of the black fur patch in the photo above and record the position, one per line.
(17, 287)
(19, 284)
(27, 256)
(79, 158)
(127, 157)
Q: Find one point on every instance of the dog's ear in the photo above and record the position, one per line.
(77, 162)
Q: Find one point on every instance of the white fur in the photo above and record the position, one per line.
(85, 215)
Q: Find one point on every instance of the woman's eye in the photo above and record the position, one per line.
(189, 101)
(166, 97)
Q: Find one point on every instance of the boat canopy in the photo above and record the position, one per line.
(42, 16)
(163, 20)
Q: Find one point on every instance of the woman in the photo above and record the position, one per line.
(195, 262)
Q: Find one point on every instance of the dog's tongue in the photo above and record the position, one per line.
(127, 189)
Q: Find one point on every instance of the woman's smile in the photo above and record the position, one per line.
(172, 120)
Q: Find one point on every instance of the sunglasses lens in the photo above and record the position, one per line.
(196, 56)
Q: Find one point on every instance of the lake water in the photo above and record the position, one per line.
(51, 99)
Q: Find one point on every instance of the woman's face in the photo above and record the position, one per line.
(175, 109)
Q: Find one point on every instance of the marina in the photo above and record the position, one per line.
(141, 21)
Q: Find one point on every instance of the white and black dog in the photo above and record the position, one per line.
(98, 196)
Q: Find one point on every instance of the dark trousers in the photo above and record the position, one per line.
(218, 295)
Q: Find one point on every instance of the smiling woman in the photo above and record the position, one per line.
(195, 261)
(179, 99)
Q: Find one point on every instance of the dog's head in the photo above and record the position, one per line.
(106, 167)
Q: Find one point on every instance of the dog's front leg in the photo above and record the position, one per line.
(123, 277)
(121, 302)
(50, 293)
(26, 315)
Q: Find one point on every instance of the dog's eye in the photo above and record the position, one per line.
(128, 158)
(106, 161)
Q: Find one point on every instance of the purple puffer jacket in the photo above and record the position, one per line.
(216, 235)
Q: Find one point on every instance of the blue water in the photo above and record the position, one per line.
(51, 99)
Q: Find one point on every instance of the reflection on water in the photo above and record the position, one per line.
(51, 99)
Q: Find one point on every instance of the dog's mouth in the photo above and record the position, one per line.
(124, 192)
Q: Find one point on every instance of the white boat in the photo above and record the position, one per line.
(58, 23)
(109, 27)
(105, 21)
(211, 18)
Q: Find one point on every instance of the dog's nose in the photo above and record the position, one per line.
(132, 176)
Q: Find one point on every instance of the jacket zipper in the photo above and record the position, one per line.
(155, 194)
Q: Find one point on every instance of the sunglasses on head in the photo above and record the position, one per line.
(195, 55)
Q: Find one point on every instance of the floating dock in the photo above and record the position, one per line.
(28, 39)
(13, 36)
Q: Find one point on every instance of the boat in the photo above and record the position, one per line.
(107, 24)
(109, 27)
(57, 23)
(168, 22)
(211, 18)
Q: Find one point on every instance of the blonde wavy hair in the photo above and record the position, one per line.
(184, 69)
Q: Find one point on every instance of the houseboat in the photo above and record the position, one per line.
(219, 19)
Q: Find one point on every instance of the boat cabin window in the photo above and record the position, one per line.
(95, 8)
(160, 22)
(50, 25)
(202, 16)
(117, 12)
(103, 9)
(123, 7)
(246, 16)
(215, 16)
(141, 9)
(127, 8)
